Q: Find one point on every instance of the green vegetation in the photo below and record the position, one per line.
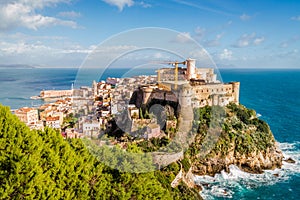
(186, 164)
(240, 130)
(43, 165)
(69, 121)
(153, 144)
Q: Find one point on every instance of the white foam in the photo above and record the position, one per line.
(221, 192)
(226, 184)
(291, 150)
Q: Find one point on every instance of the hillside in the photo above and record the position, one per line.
(240, 138)
(42, 165)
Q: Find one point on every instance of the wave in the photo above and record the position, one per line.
(291, 150)
(237, 182)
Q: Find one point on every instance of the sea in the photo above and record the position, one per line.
(273, 93)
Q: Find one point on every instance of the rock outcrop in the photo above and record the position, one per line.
(255, 162)
(243, 140)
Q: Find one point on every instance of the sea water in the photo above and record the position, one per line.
(274, 94)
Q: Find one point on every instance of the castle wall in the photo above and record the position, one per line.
(203, 88)
(55, 93)
(216, 94)
(196, 95)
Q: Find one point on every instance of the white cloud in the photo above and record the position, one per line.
(296, 18)
(120, 3)
(69, 14)
(108, 50)
(22, 48)
(24, 13)
(258, 41)
(226, 55)
(200, 32)
(291, 41)
(144, 4)
(199, 54)
(284, 45)
(245, 17)
(78, 49)
(54, 51)
(40, 53)
(286, 54)
(201, 7)
(184, 37)
(214, 42)
(249, 39)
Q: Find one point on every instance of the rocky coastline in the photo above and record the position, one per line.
(245, 141)
(255, 162)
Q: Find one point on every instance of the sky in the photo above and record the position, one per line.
(235, 33)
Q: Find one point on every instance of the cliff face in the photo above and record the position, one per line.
(240, 138)
(254, 162)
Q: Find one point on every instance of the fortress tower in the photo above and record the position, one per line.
(191, 68)
(236, 91)
(185, 95)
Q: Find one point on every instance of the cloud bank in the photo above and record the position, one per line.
(26, 13)
(249, 40)
(120, 3)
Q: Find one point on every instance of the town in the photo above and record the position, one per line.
(125, 104)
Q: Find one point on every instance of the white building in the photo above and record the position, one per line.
(27, 115)
(91, 128)
(53, 122)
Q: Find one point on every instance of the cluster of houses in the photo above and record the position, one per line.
(50, 115)
(91, 107)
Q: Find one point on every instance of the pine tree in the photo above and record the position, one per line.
(43, 165)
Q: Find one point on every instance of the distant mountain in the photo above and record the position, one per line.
(17, 66)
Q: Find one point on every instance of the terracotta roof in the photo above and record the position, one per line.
(24, 110)
(52, 118)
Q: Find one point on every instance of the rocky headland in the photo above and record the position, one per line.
(231, 135)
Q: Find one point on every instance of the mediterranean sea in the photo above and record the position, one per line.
(274, 94)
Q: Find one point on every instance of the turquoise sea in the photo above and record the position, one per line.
(274, 94)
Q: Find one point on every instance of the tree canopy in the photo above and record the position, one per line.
(43, 165)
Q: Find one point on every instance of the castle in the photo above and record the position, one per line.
(189, 87)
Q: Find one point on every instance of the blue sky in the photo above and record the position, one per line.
(62, 33)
